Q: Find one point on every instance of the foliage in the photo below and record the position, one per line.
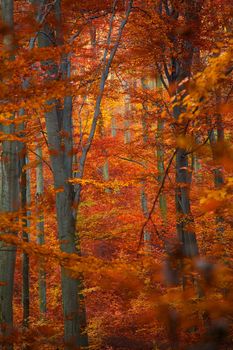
(141, 290)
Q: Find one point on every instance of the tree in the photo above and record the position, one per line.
(9, 187)
(77, 77)
(59, 119)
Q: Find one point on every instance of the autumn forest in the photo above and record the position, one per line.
(116, 175)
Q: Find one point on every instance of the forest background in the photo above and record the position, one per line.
(116, 174)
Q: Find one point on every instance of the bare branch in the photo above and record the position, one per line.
(156, 198)
(107, 61)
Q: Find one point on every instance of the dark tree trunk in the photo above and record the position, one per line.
(40, 230)
(9, 198)
(181, 64)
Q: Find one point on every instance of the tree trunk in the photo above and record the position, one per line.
(105, 166)
(216, 142)
(9, 203)
(25, 199)
(143, 195)
(60, 119)
(160, 167)
(40, 230)
(68, 196)
(185, 222)
(127, 108)
(180, 72)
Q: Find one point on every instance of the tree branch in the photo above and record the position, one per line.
(156, 198)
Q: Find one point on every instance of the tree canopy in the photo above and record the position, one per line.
(116, 175)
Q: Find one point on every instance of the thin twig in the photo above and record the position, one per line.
(132, 161)
(156, 198)
(199, 146)
(43, 133)
(44, 161)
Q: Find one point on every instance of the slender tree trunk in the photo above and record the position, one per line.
(160, 167)
(9, 203)
(216, 137)
(160, 159)
(105, 167)
(40, 230)
(153, 84)
(144, 198)
(25, 200)
(127, 133)
(218, 176)
(113, 126)
(127, 139)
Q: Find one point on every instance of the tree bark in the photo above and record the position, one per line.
(216, 142)
(68, 196)
(9, 204)
(160, 167)
(40, 230)
(180, 71)
(60, 119)
(127, 108)
(25, 199)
